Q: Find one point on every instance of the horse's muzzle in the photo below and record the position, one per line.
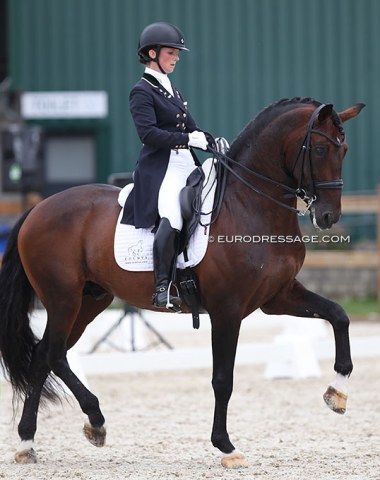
(323, 220)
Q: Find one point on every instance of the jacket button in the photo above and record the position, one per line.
(184, 115)
(177, 116)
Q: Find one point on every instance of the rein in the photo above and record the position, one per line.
(308, 195)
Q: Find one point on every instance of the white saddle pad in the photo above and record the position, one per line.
(133, 247)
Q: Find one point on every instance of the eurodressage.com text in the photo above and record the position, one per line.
(280, 239)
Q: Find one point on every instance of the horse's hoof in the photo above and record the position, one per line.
(234, 459)
(95, 435)
(335, 400)
(26, 456)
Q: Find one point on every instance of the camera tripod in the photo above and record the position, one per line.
(133, 314)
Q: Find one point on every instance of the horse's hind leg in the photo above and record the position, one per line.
(93, 429)
(50, 354)
(47, 351)
(302, 303)
(27, 427)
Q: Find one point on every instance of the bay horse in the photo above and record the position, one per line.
(61, 251)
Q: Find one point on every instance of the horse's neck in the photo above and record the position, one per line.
(239, 197)
(269, 168)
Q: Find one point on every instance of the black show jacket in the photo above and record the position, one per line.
(163, 123)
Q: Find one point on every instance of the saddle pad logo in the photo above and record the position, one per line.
(136, 253)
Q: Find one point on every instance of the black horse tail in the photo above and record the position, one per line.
(17, 297)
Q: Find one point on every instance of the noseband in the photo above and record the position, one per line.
(305, 193)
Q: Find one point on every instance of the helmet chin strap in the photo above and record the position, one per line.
(157, 59)
(162, 70)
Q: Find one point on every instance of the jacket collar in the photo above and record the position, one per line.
(176, 98)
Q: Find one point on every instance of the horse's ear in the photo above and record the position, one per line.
(351, 112)
(325, 112)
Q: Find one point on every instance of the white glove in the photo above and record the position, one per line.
(198, 139)
(222, 146)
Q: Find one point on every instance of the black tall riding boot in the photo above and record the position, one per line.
(164, 257)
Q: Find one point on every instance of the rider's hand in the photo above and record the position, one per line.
(198, 140)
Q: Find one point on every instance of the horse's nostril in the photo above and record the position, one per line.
(328, 218)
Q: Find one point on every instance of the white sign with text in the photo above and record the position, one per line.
(90, 104)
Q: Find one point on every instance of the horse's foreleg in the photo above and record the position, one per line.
(300, 302)
(224, 342)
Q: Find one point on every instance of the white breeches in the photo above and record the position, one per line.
(180, 166)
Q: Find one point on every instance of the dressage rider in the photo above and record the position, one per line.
(167, 131)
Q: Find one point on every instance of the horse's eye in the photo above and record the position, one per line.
(320, 150)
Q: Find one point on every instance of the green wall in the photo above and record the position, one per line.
(245, 54)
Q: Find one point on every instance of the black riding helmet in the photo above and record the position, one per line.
(158, 35)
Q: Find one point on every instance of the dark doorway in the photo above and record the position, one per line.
(69, 159)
